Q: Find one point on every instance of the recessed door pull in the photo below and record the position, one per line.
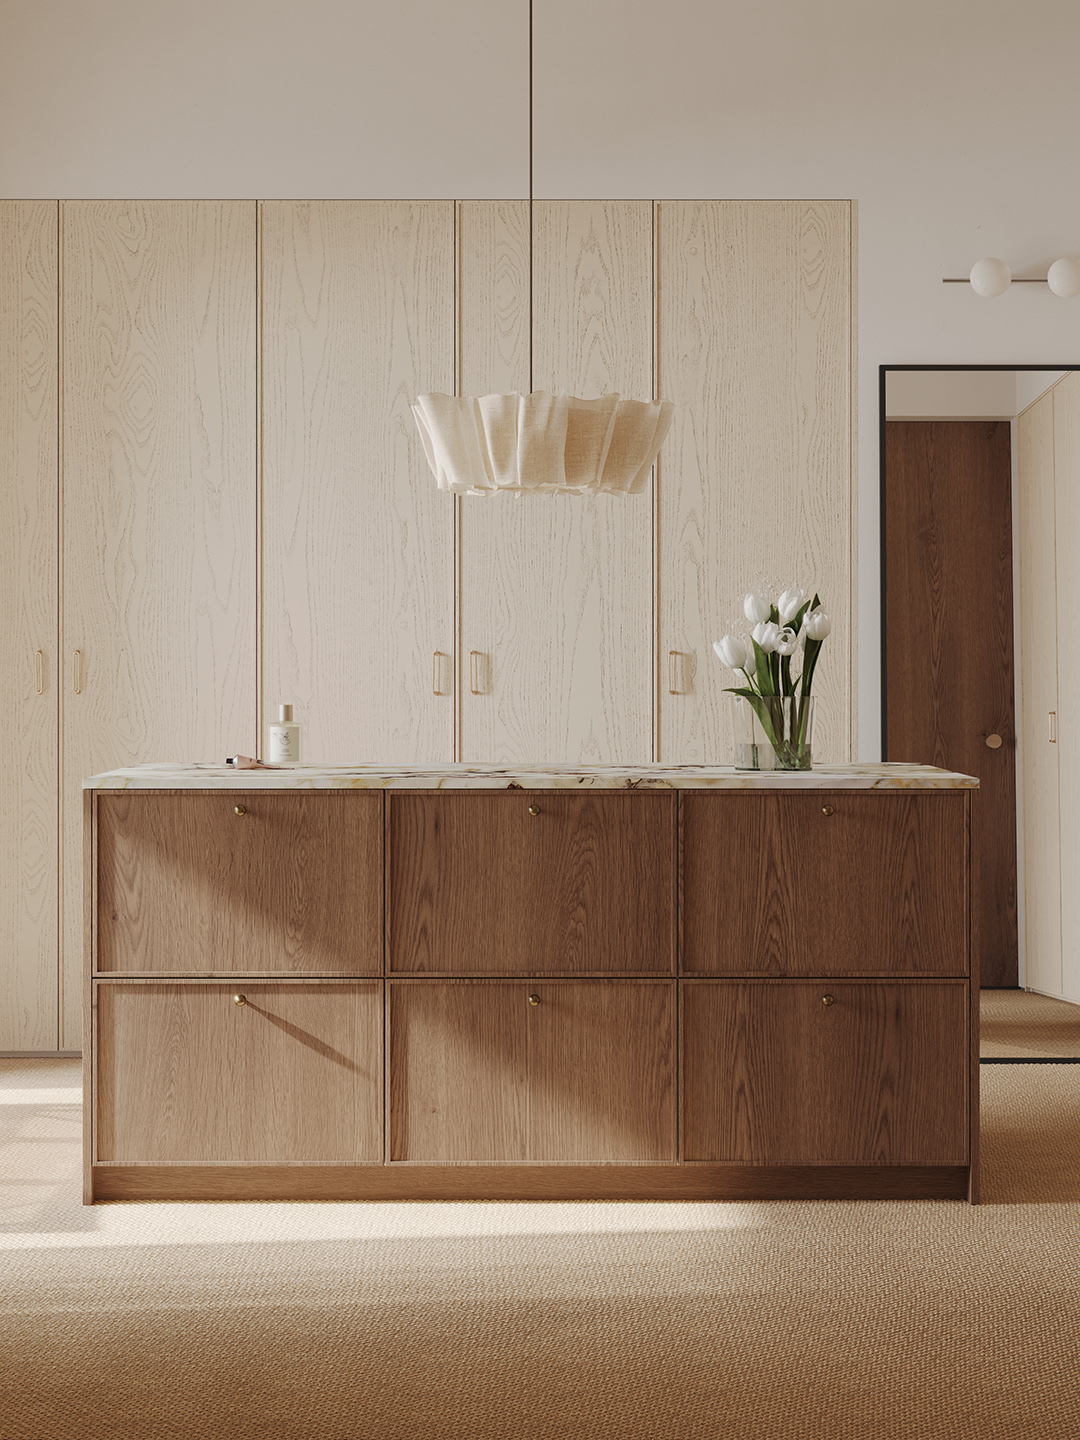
(1053, 727)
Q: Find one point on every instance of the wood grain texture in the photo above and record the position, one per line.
(358, 569)
(158, 312)
(880, 1076)
(754, 482)
(1039, 696)
(949, 640)
(89, 854)
(772, 885)
(547, 1182)
(478, 1074)
(186, 885)
(28, 619)
(555, 591)
(974, 811)
(478, 885)
(186, 1075)
(1067, 508)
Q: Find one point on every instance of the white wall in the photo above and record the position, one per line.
(950, 394)
(952, 124)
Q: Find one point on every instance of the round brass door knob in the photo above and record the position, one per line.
(993, 742)
(828, 809)
(828, 1000)
(239, 999)
(240, 809)
(534, 809)
(534, 999)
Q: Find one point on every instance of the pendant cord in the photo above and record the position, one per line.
(530, 196)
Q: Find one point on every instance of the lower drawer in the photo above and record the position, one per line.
(185, 1075)
(825, 1072)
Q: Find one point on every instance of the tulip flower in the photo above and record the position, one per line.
(790, 603)
(756, 609)
(731, 652)
(766, 633)
(818, 625)
(787, 642)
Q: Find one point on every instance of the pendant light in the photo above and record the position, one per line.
(540, 443)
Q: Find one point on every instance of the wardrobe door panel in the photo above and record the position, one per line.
(159, 437)
(754, 485)
(28, 600)
(358, 568)
(556, 591)
(1038, 678)
(1067, 507)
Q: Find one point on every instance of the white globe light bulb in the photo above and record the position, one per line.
(1063, 278)
(990, 277)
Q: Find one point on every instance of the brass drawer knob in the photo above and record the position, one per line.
(239, 999)
(828, 809)
(534, 809)
(993, 742)
(534, 999)
(828, 1000)
(240, 809)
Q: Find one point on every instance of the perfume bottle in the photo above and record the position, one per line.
(284, 738)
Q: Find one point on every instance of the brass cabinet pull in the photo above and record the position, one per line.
(239, 999)
(1053, 727)
(76, 671)
(39, 671)
(828, 1000)
(993, 742)
(672, 658)
(239, 809)
(534, 809)
(436, 672)
(828, 809)
(474, 671)
(534, 999)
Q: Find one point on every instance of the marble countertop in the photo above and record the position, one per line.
(174, 776)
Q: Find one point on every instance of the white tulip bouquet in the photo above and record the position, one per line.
(781, 703)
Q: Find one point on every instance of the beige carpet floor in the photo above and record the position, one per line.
(1016, 1024)
(830, 1320)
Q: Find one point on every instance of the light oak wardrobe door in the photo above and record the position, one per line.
(1038, 676)
(358, 569)
(556, 591)
(754, 486)
(1067, 507)
(28, 623)
(159, 425)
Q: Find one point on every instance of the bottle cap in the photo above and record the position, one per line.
(284, 714)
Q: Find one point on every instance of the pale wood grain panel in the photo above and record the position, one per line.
(754, 482)
(556, 591)
(184, 1075)
(773, 885)
(187, 885)
(1067, 510)
(601, 1072)
(358, 571)
(28, 620)
(480, 885)
(772, 1075)
(1039, 692)
(159, 436)
(458, 1073)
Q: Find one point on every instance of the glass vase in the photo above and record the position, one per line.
(773, 732)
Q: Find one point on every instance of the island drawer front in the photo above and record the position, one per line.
(825, 883)
(580, 1073)
(185, 1075)
(207, 881)
(831, 1072)
(532, 882)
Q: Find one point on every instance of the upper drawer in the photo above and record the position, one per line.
(532, 882)
(774, 884)
(187, 884)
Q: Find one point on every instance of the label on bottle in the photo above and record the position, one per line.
(284, 744)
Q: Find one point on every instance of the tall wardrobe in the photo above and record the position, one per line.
(214, 497)
(1048, 484)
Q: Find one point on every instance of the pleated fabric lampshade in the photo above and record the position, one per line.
(541, 443)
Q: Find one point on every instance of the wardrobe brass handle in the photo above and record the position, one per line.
(672, 656)
(1053, 727)
(436, 673)
(39, 671)
(76, 671)
(474, 671)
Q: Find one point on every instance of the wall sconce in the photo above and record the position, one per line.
(992, 277)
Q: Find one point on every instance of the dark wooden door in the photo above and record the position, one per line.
(830, 1072)
(949, 636)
